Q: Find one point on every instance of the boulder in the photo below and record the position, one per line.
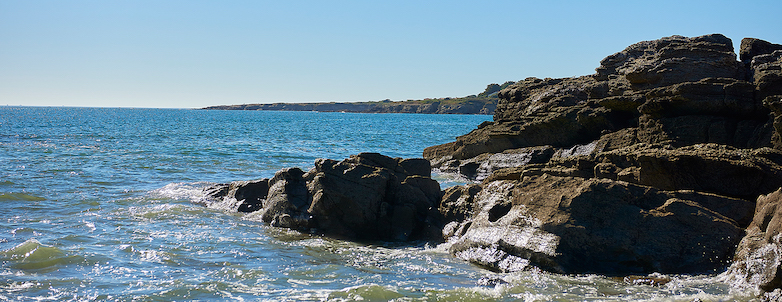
(368, 196)
(288, 199)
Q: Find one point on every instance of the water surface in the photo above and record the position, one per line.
(101, 204)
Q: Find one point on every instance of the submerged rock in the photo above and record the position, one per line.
(368, 196)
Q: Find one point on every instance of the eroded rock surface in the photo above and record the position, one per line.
(368, 196)
(581, 225)
(652, 164)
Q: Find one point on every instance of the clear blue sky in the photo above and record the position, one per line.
(189, 54)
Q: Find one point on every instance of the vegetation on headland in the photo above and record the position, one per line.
(483, 103)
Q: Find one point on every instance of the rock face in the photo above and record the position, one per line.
(365, 197)
(652, 164)
(578, 225)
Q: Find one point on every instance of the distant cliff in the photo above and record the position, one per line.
(483, 103)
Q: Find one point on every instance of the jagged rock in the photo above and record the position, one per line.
(578, 225)
(371, 196)
(767, 74)
(758, 260)
(458, 203)
(655, 161)
(671, 60)
(674, 90)
(751, 47)
(774, 103)
(534, 112)
(368, 196)
(288, 200)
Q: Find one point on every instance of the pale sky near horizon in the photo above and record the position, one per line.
(191, 54)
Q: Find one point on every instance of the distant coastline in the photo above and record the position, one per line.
(483, 103)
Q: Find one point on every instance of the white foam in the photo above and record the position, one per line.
(193, 191)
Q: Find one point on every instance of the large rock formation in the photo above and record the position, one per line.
(653, 164)
(365, 197)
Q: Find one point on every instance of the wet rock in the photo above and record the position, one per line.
(480, 167)
(368, 196)
(242, 196)
(288, 200)
(758, 258)
(578, 225)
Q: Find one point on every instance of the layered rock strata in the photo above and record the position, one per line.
(652, 164)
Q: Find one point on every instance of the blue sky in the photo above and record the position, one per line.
(190, 54)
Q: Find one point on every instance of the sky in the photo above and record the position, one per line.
(192, 54)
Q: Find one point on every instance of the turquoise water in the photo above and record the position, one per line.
(102, 204)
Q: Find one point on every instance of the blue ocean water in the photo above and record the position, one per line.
(102, 204)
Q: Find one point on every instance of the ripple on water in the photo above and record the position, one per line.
(33, 256)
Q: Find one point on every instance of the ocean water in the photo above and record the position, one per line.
(103, 204)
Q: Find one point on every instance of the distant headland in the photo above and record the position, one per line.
(483, 103)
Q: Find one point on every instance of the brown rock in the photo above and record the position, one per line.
(752, 47)
(718, 169)
(767, 74)
(672, 60)
(577, 225)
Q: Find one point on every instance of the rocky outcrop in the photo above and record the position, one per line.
(652, 164)
(365, 197)
(676, 90)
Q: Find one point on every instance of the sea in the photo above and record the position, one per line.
(106, 204)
